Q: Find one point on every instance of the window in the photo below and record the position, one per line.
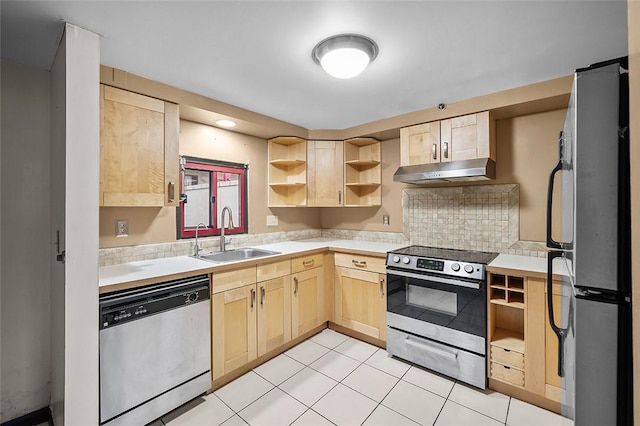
(207, 188)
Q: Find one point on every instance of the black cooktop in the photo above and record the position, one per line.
(468, 256)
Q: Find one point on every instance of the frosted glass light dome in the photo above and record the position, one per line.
(346, 55)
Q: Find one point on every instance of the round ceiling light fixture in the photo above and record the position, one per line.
(345, 55)
(226, 123)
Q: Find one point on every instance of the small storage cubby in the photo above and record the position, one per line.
(362, 172)
(506, 325)
(287, 172)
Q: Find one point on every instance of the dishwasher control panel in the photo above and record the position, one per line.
(128, 306)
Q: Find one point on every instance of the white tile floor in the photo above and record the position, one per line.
(334, 379)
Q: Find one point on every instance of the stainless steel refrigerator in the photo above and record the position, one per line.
(593, 321)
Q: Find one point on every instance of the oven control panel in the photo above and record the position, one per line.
(438, 266)
(430, 264)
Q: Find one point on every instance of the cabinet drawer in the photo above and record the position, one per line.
(233, 279)
(273, 270)
(355, 261)
(507, 357)
(508, 374)
(306, 262)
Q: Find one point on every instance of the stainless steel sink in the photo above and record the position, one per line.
(236, 255)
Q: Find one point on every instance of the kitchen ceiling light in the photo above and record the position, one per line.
(226, 123)
(345, 55)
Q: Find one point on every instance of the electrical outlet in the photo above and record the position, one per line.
(385, 219)
(272, 220)
(122, 228)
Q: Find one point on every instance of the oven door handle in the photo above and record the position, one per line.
(437, 351)
(432, 278)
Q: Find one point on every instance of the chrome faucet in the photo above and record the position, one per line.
(196, 247)
(223, 241)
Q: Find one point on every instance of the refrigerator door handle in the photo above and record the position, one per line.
(551, 243)
(559, 331)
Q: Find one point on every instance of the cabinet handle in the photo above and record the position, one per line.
(172, 191)
(339, 197)
(308, 262)
(253, 297)
(381, 286)
(359, 262)
(263, 296)
(434, 151)
(446, 150)
(295, 285)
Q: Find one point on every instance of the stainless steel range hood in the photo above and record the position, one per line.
(464, 170)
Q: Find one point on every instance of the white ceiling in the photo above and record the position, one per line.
(257, 54)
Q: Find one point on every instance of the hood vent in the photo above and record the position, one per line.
(453, 171)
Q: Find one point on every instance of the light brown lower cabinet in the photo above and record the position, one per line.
(523, 349)
(234, 329)
(307, 294)
(274, 313)
(361, 302)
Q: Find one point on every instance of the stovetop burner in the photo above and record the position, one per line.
(468, 256)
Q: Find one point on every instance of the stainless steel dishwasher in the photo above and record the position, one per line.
(155, 350)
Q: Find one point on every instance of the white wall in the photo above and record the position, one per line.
(25, 242)
(75, 185)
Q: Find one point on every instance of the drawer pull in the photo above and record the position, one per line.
(172, 191)
(295, 288)
(359, 262)
(253, 297)
(263, 296)
(417, 344)
(382, 287)
(308, 262)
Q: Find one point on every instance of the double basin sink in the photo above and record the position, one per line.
(235, 255)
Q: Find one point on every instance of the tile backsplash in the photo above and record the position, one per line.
(469, 217)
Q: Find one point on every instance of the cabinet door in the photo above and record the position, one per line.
(233, 317)
(274, 314)
(420, 144)
(307, 301)
(135, 168)
(361, 302)
(325, 170)
(466, 137)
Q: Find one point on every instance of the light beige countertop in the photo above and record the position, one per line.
(117, 277)
(536, 266)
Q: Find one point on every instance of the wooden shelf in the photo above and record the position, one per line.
(283, 184)
(286, 162)
(517, 305)
(362, 184)
(508, 339)
(362, 162)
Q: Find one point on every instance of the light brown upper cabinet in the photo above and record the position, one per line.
(139, 163)
(362, 172)
(325, 173)
(460, 138)
(287, 172)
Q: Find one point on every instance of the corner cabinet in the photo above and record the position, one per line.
(460, 138)
(287, 172)
(325, 173)
(362, 172)
(523, 350)
(139, 161)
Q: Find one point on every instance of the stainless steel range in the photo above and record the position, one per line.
(437, 311)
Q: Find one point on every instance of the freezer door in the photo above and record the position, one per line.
(596, 363)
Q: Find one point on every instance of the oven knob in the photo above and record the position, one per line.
(406, 260)
(468, 269)
(455, 267)
(396, 259)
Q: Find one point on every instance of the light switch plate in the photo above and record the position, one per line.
(385, 219)
(122, 228)
(272, 220)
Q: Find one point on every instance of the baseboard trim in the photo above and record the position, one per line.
(37, 417)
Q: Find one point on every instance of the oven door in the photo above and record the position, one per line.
(447, 310)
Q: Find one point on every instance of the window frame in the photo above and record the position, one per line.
(213, 167)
